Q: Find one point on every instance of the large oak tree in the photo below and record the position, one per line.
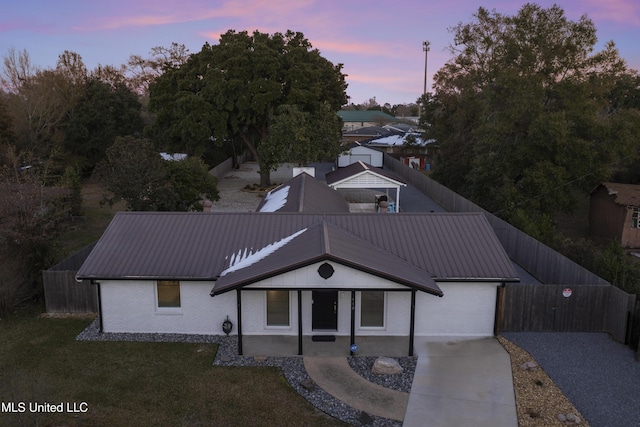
(238, 87)
(526, 111)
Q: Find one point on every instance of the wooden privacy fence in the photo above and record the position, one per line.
(594, 305)
(565, 308)
(62, 293)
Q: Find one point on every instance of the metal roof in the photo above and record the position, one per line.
(354, 169)
(372, 131)
(306, 194)
(364, 115)
(398, 140)
(198, 246)
(624, 194)
(326, 241)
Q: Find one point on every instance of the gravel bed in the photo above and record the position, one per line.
(598, 375)
(292, 368)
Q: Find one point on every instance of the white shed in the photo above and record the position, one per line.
(358, 153)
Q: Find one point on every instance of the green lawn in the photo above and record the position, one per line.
(141, 384)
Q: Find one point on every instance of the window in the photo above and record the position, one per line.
(635, 218)
(277, 308)
(168, 293)
(372, 309)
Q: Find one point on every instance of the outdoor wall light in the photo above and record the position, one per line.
(227, 326)
(325, 271)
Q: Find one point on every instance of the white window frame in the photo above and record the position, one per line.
(384, 312)
(266, 310)
(635, 218)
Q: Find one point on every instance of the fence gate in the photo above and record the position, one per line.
(569, 308)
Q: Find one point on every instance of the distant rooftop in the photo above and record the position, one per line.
(625, 194)
(396, 140)
(364, 115)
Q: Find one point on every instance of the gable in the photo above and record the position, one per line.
(321, 241)
(362, 175)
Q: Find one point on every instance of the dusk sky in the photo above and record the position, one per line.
(379, 42)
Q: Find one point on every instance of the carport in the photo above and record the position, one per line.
(365, 176)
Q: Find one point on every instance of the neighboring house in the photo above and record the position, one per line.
(356, 119)
(419, 155)
(394, 144)
(359, 153)
(368, 133)
(299, 272)
(614, 213)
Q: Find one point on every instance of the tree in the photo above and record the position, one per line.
(233, 89)
(524, 112)
(32, 216)
(133, 171)
(41, 101)
(142, 71)
(191, 180)
(7, 134)
(300, 137)
(105, 112)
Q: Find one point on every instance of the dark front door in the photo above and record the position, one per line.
(325, 310)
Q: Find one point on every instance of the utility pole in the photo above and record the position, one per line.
(425, 48)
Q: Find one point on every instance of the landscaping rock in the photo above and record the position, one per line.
(529, 366)
(386, 366)
(365, 419)
(308, 384)
(569, 419)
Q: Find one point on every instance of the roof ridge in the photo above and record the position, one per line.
(325, 237)
(301, 192)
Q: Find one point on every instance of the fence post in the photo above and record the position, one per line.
(497, 327)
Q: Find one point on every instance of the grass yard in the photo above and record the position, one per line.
(90, 227)
(141, 384)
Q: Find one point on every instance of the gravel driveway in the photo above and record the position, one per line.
(599, 376)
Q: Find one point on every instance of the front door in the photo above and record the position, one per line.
(325, 310)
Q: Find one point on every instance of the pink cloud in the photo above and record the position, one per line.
(177, 12)
(621, 11)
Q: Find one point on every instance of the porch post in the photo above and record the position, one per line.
(397, 199)
(412, 326)
(239, 302)
(299, 322)
(353, 320)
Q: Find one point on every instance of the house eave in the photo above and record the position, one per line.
(335, 259)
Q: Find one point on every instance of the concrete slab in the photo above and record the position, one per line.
(287, 345)
(461, 381)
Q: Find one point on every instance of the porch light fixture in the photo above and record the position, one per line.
(227, 326)
(325, 271)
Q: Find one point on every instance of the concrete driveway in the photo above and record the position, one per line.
(461, 382)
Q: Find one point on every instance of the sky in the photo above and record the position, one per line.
(379, 43)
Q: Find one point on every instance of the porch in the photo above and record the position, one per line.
(287, 345)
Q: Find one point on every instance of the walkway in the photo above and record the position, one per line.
(457, 382)
(335, 376)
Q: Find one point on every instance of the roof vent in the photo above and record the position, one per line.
(325, 271)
